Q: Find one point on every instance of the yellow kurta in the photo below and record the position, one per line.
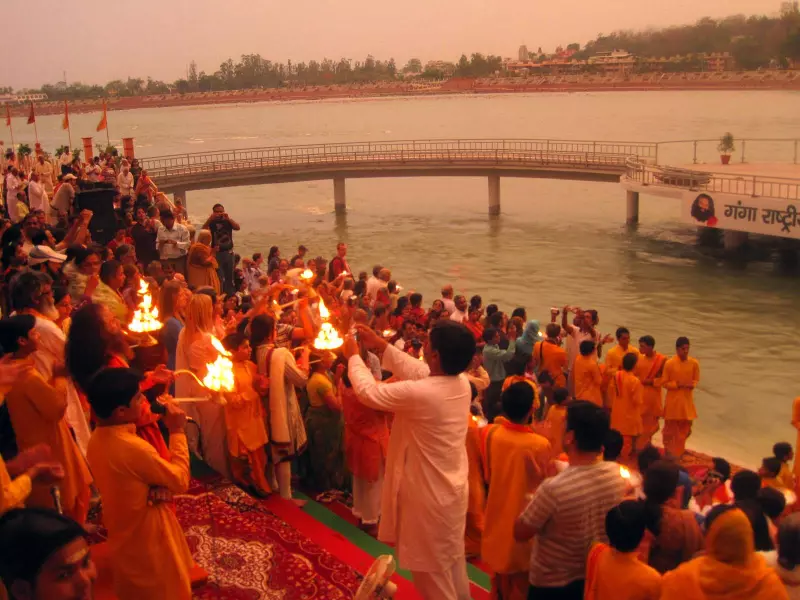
(626, 414)
(588, 379)
(615, 575)
(679, 403)
(150, 556)
(614, 358)
(506, 445)
(37, 415)
(244, 413)
(650, 367)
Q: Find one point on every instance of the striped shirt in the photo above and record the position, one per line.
(568, 513)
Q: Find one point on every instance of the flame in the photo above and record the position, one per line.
(220, 372)
(328, 338)
(387, 333)
(307, 274)
(624, 473)
(145, 318)
(422, 354)
(323, 311)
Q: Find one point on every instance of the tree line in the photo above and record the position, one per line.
(754, 42)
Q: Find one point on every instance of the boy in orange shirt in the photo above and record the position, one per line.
(614, 572)
(516, 461)
(244, 419)
(626, 413)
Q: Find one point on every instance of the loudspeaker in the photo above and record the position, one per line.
(103, 225)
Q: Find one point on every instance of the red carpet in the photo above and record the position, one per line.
(250, 553)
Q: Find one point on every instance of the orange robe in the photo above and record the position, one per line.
(626, 413)
(37, 412)
(614, 358)
(553, 359)
(476, 499)
(150, 557)
(588, 379)
(13, 492)
(557, 421)
(679, 409)
(615, 575)
(505, 448)
(245, 430)
(366, 437)
(650, 368)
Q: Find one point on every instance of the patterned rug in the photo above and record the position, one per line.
(250, 554)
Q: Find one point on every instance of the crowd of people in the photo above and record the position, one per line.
(462, 431)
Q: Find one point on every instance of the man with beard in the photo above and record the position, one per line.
(32, 294)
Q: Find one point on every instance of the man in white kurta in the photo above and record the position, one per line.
(424, 502)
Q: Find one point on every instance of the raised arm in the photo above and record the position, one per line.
(155, 471)
(403, 366)
(389, 397)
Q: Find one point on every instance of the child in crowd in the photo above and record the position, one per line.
(784, 453)
(556, 419)
(244, 419)
(516, 461)
(614, 571)
(366, 443)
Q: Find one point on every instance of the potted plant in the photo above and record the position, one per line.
(725, 147)
(24, 150)
(62, 150)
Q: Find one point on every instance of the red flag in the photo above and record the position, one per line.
(103, 124)
(32, 116)
(8, 116)
(65, 120)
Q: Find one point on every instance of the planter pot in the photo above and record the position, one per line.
(726, 158)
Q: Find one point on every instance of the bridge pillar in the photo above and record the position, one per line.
(494, 194)
(180, 195)
(339, 195)
(632, 199)
(734, 240)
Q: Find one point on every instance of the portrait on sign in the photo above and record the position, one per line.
(703, 211)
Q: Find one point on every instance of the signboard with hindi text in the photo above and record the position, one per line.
(766, 216)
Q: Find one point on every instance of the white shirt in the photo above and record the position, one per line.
(66, 159)
(12, 187)
(458, 316)
(125, 183)
(179, 234)
(424, 503)
(449, 305)
(574, 343)
(93, 172)
(373, 286)
(37, 196)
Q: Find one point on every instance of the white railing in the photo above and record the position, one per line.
(750, 185)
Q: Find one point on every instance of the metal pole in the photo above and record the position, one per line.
(795, 152)
(695, 152)
(744, 146)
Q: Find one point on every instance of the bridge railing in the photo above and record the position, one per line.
(725, 183)
(682, 152)
(276, 157)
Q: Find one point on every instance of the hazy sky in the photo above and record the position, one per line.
(96, 42)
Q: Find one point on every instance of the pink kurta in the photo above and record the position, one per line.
(424, 504)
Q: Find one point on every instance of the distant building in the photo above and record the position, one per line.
(719, 61)
(616, 61)
(21, 98)
(523, 53)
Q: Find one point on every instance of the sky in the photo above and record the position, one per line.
(95, 43)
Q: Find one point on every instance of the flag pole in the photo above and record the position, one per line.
(69, 125)
(105, 112)
(35, 126)
(10, 128)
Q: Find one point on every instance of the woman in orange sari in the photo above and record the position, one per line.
(201, 264)
(730, 569)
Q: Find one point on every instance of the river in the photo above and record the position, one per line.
(556, 242)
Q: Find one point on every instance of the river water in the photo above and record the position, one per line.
(556, 242)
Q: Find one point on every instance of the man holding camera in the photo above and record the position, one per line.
(222, 228)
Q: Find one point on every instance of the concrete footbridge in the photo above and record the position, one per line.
(551, 159)
(760, 175)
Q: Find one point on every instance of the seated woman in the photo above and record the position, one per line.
(201, 264)
(107, 292)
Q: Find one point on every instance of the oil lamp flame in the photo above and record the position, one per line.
(328, 338)
(308, 274)
(624, 473)
(220, 372)
(323, 311)
(145, 317)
